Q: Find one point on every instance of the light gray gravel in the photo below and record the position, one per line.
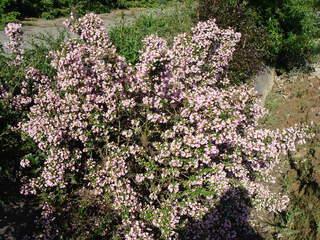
(263, 82)
(41, 26)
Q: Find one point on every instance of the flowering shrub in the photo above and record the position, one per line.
(153, 146)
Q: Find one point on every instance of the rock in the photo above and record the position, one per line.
(264, 81)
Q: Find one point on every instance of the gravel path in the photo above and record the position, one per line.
(41, 26)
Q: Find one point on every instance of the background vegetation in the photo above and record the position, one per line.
(166, 23)
(16, 10)
(292, 26)
(282, 34)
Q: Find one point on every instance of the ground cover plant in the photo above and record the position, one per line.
(145, 151)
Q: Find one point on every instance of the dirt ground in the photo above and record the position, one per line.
(295, 98)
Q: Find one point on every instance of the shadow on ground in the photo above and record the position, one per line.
(228, 221)
(17, 213)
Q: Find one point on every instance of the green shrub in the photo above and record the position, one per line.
(4, 5)
(292, 28)
(11, 10)
(100, 6)
(251, 50)
(9, 17)
(165, 23)
(54, 13)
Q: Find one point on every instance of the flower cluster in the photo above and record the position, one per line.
(160, 142)
(3, 93)
(14, 32)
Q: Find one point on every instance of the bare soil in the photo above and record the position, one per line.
(296, 99)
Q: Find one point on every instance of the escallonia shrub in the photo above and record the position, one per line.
(145, 151)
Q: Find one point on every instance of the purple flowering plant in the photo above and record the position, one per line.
(158, 143)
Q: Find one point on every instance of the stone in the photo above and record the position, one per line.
(263, 82)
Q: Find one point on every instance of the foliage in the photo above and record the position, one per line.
(13, 11)
(127, 38)
(9, 18)
(6, 15)
(154, 145)
(292, 26)
(281, 33)
(146, 3)
(248, 58)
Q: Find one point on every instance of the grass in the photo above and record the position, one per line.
(168, 22)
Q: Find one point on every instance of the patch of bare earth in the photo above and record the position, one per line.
(34, 26)
(295, 99)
